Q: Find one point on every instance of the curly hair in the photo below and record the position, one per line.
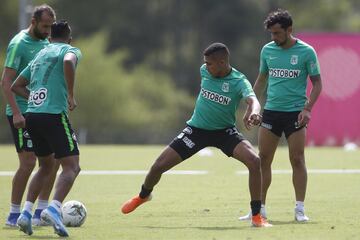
(280, 16)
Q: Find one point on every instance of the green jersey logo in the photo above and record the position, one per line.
(294, 59)
(225, 87)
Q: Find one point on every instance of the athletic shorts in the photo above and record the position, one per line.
(52, 133)
(21, 137)
(279, 122)
(192, 139)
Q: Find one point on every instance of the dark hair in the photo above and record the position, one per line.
(219, 48)
(39, 10)
(280, 16)
(60, 30)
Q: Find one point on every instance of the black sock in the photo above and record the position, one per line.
(144, 192)
(255, 207)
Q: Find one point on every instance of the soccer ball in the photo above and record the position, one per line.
(74, 213)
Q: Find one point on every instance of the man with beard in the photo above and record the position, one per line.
(21, 50)
(48, 83)
(285, 64)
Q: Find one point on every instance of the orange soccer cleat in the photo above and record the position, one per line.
(133, 203)
(259, 221)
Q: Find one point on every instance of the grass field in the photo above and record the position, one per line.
(201, 206)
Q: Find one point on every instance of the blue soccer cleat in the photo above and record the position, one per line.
(11, 220)
(24, 222)
(50, 215)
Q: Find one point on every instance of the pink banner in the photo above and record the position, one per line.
(336, 115)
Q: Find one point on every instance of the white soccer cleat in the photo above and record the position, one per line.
(36, 219)
(248, 216)
(300, 216)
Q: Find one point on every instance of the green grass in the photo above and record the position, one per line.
(201, 206)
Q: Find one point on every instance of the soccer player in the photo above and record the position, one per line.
(50, 78)
(213, 124)
(22, 48)
(285, 64)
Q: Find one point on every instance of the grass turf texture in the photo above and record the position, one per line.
(201, 206)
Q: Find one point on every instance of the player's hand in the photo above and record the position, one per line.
(252, 120)
(18, 121)
(255, 119)
(72, 103)
(304, 117)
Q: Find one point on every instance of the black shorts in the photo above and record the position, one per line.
(191, 140)
(21, 137)
(52, 133)
(279, 122)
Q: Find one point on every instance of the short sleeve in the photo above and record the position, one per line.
(13, 56)
(312, 63)
(245, 88)
(76, 51)
(263, 64)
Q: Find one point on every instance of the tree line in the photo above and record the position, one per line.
(139, 75)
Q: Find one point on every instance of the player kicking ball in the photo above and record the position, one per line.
(213, 124)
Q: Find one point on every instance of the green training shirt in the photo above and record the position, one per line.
(47, 85)
(219, 99)
(287, 71)
(21, 50)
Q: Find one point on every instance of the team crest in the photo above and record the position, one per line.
(225, 87)
(187, 130)
(26, 134)
(294, 59)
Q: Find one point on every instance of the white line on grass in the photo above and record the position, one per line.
(198, 172)
(142, 172)
(124, 172)
(312, 171)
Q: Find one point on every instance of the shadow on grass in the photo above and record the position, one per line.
(292, 222)
(274, 223)
(200, 228)
(34, 236)
(18, 234)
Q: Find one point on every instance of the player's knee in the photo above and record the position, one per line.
(27, 166)
(298, 161)
(76, 169)
(158, 168)
(254, 163)
(265, 161)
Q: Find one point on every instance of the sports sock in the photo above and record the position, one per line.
(255, 207)
(28, 206)
(299, 206)
(56, 204)
(42, 204)
(144, 192)
(14, 208)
